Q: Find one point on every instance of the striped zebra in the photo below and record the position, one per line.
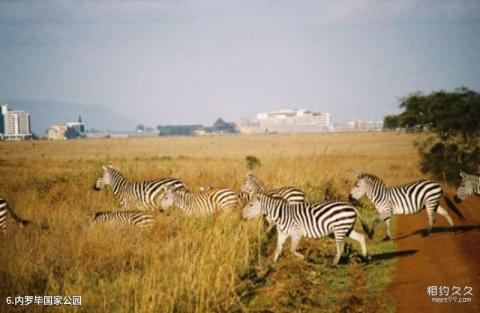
(202, 202)
(243, 197)
(253, 184)
(123, 218)
(470, 185)
(297, 220)
(399, 200)
(4, 210)
(139, 195)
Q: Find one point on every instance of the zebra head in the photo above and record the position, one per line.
(168, 199)
(252, 184)
(105, 179)
(253, 208)
(359, 189)
(465, 189)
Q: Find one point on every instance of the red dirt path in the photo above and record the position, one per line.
(442, 259)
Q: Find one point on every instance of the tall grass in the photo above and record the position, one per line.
(203, 264)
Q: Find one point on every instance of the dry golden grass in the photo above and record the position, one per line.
(218, 263)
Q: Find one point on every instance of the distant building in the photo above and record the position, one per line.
(70, 130)
(359, 125)
(14, 125)
(221, 127)
(288, 121)
(251, 127)
(178, 130)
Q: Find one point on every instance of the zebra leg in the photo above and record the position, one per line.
(445, 214)
(293, 248)
(431, 220)
(340, 242)
(387, 225)
(281, 237)
(360, 239)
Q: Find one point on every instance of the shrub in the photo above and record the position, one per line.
(252, 162)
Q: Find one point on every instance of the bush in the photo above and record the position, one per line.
(252, 162)
(445, 161)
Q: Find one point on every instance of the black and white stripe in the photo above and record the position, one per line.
(297, 220)
(124, 218)
(4, 210)
(134, 194)
(252, 184)
(398, 200)
(470, 185)
(202, 202)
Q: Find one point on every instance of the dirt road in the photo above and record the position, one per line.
(442, 259)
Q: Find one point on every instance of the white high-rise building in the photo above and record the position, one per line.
(288, 121)
(14, 125)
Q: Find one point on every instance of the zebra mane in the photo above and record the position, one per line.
(256, 179)
(113, 170)
(370, 178)
(97, 214)
(261, 195)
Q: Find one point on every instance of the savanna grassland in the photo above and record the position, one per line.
(218, 263)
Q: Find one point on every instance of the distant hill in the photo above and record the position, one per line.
(45, 113)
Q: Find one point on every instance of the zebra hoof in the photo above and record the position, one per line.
(387, 238)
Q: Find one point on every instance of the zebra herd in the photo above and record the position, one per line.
(287, 208)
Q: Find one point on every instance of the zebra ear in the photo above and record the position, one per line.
(462, 174)
(104, 168)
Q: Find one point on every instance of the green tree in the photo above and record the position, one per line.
(453, 121)
(252, 162)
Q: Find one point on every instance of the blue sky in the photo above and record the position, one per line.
(162, 62)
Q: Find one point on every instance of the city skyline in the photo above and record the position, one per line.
(191, 62)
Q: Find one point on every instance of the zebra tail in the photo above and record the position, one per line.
(365, 227)
(16, 217)
(453, 207)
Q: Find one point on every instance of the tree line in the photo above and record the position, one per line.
(450, 126)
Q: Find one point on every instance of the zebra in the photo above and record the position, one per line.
(202, 202)
(470, 185)
(4, 209)
(140, 195)
(398, 200)
(302, 219)
(126, 218)
(252, 184)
